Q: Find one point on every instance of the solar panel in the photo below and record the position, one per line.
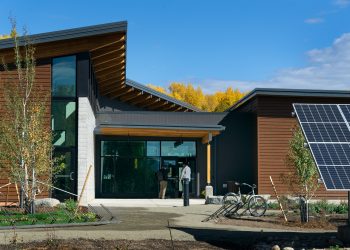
(327, 130)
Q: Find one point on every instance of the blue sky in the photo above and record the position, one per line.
(214, 44)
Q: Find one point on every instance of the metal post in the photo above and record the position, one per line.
(198, 185)
(186, 192)
(208, 164)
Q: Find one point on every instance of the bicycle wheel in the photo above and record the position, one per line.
(257, 206)
(230, 199)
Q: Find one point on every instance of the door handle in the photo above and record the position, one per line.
(71, 176)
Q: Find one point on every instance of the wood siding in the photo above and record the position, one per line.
(43, 88)
(274, 131)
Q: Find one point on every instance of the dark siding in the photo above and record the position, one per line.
(236, 150)
(86, 84)
(249, 107)
(202, 164)
(274, 128)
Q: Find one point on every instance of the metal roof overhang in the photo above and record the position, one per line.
(201, 132)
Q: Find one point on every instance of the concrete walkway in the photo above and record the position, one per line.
(138, 223)
(144, 203)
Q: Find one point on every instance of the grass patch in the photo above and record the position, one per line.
(61, 215)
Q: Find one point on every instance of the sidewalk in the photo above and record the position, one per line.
(144, 202)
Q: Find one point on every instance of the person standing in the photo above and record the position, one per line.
(163, 181)
(186, 178)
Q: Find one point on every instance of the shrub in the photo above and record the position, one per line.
(328, 208)
(273, 205)
(71, 205)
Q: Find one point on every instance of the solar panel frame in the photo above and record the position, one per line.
(338, 117)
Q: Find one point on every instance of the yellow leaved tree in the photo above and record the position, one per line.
(216, 102)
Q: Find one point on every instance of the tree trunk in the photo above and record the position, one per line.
(21, 197)
(304, 210)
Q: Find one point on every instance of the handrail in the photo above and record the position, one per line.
(56, 188)
(6, 185)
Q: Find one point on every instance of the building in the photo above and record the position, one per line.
(262, 123)
(126, 131)
(101, 118)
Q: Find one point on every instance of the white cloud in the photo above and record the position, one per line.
(342, 3)
(327, 68)
(315, 20)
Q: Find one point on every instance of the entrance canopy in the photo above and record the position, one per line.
(160, 124)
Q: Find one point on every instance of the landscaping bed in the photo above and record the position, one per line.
(276, 221)
(110, 244)
(323, 216)
(63, 214)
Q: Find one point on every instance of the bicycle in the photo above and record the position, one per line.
(233, 202)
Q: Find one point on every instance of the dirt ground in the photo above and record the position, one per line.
(319, 223)
(83, 244)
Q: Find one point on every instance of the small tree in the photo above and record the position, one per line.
(302, 177)
(25, 135)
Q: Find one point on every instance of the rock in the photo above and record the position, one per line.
(214, 200)
(288, 248)
(47, 202)
(266, 196)
(275, 247)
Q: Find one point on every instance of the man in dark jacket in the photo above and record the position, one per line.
(163, 181)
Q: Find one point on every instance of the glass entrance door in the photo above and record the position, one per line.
(174, 165)
(66, 178)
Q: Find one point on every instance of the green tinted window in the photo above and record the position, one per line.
(130, 148)
(64, 76)
(179, 148)
(63, 123)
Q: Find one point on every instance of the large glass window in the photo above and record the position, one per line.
(63, 123)
(179, 148)
(130, 148)
(64, 76)
(129, 168)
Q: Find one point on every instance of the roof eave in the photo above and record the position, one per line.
(161, 95)
(290, 92)
(67, 34)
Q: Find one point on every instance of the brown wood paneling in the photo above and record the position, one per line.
(274, 129)
(42, 88)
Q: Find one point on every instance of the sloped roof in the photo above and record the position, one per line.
(147, 98)
(106, 44)
(290, 92)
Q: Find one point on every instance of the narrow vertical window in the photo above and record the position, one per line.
(64, 76)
